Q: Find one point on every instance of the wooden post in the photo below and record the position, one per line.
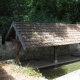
(55, 55)
(18, 47)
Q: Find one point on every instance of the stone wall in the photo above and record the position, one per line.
(63, 50)
(7, 51)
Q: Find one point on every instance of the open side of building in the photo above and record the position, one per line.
(27, 35)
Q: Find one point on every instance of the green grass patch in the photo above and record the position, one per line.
(52, 73)
(27, 70)
(20, 69)
(49, 73)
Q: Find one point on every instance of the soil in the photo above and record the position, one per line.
(6, 73)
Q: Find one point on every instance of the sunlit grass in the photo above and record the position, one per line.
(26, 70)
(20, 69)
(51, 73)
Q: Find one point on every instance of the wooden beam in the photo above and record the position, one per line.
(55, 56)
(18, 47)
(56, 47)
(16, 41)
(19, 36)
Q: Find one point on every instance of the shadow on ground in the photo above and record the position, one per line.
(4, 75)
(52, 73)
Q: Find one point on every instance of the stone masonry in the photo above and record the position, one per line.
(7, 51)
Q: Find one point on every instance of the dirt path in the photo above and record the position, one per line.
(6, 73)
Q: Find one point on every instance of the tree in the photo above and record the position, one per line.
(67, 11)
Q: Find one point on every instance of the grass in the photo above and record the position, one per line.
(27, 70)
(20, 69)
(49, 73)
(52, 73)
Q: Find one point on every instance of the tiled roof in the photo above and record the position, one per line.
(45, 34)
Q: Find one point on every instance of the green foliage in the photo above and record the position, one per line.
(26, 70)
(4, 24)
(55, 11)
(14, 10)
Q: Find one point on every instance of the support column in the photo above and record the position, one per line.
(55, 56)
(18, 47)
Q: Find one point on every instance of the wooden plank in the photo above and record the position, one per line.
(18, 47)
(32, 31)
(43, 63)
(28, 44)
(38, 27)
(16, 41)
(42, 30)
(59, 63)
(55, 55)
(19, 36)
